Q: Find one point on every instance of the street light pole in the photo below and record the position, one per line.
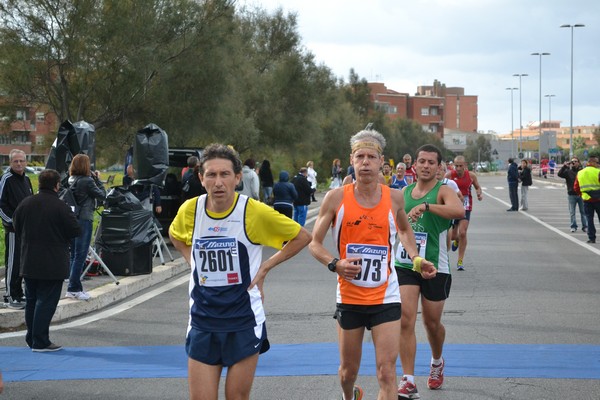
(520, 114)
(540, 114)
(512, 122)
(571, 130)
(550, 96)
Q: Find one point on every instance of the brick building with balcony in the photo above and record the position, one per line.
(28, 128)
(435, 107)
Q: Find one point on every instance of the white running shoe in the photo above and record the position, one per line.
(78, 295)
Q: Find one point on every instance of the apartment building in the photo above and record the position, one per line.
(29, 128)
(435, 107)
(531, 132)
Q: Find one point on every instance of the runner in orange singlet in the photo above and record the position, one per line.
(364, 218)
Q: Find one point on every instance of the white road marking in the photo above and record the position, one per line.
(550, 227)
(112, 310)
(128, 304)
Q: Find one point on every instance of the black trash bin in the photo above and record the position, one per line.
(126, 235)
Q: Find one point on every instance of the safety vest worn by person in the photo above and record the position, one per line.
(589, 183)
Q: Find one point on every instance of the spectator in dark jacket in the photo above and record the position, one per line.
(569, 172)
(266, 180)
(304, 190)
(513, 185)
(193, 187)
(14, 188)
(86, 188)
(284, 194)
(526, 181)
(45, 224)
(148, 195)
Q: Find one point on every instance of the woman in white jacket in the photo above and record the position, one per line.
(312, 178)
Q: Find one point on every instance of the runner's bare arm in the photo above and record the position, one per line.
(407, 236)
(448, 205)
(346, 267)
(476, 186)
(184, 249)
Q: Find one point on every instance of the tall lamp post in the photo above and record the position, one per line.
(540, 114)
(512, 121)
(550, 96)
(571, 130)
(520, 114)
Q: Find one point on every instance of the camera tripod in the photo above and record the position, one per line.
(160, 243)
(93, 256)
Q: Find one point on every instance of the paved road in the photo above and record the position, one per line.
(529, 284)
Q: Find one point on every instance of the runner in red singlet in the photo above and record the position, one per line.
(464, 179)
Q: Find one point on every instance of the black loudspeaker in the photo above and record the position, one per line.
(135, 261)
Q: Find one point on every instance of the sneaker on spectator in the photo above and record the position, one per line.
(51, 347)
(407, 390)
(574, 229)
(78, 295)
(584, 229)
(15, 304)
(436, 376)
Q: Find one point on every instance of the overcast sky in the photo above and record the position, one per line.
(475, 44)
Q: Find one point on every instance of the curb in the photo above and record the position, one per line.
(102, 296)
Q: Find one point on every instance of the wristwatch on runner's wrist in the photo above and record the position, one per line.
(332, 264)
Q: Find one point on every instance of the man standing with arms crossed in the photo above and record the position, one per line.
(221, 235)
(15, 186)
(430, 205)
(364, 218)
(464, 179)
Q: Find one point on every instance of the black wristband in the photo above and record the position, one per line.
(426, 206)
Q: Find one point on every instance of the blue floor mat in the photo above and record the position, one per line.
(468, 360)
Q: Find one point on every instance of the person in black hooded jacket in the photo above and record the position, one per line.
(284, 194)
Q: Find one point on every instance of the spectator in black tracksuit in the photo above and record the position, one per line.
(14, 188)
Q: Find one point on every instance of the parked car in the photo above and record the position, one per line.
(28, 170)
(170, 194)
(482, 166)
